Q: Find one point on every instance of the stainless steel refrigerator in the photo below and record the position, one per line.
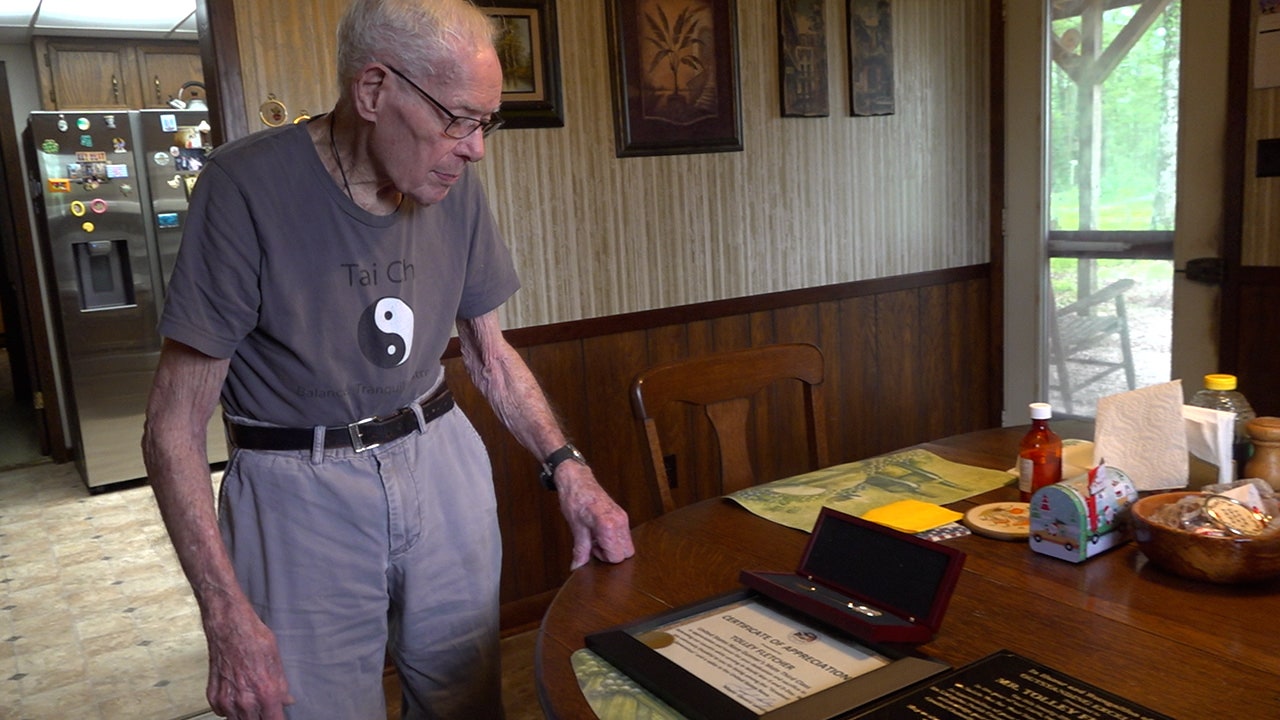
(111, 201)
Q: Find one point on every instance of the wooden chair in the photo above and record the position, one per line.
(1078, 329)
(723, 385)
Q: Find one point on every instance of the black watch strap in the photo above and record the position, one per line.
(568, 452)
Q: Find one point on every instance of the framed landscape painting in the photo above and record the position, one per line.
(675, 76)
(528, 49)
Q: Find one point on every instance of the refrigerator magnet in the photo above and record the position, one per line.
(98, 206)
(77, 208)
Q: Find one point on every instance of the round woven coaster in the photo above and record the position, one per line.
(1001, 520)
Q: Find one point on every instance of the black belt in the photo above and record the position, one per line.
(360, 436)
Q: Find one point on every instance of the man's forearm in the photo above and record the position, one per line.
(506, 382)
(174, 449)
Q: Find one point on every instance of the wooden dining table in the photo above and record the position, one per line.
(1188, 649)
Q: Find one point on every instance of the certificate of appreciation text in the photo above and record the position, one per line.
(761, 658)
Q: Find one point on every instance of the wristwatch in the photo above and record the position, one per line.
(568, 452)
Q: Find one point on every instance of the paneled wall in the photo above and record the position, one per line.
(1261, 245)
(1252, 325)
(892, 347)
(809, 202)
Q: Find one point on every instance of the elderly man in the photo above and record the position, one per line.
(323, 268)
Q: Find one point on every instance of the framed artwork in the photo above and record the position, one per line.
(675, 76)
(871, 56)
(528, 48)
(802, 57)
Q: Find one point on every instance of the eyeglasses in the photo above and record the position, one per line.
(459, 127)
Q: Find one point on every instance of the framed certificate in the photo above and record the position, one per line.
(744, 656)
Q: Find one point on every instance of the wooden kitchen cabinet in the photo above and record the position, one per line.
(96, 74)
(164, 69)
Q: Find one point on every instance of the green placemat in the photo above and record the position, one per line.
(857, 487)
(613, 695)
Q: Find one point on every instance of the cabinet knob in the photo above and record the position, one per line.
(115, 88)
(156, 82)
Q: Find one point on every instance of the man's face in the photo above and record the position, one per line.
(411, 148)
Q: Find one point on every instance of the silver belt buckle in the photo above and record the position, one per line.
(357, 441)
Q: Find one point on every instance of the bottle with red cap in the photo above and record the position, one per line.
(1039, 453)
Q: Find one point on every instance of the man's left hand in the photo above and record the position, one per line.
(600, 527)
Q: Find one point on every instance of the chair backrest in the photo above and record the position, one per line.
(723, 385)
(1078, 331)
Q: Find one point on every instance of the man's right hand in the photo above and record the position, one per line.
(246, 677)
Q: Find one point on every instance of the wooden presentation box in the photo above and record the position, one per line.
(871, 581)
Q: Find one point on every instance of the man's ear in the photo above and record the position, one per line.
(368, 87)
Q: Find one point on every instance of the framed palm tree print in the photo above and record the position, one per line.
(675, 76)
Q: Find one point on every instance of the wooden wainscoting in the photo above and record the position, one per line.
(1249, 347)
(909, 358)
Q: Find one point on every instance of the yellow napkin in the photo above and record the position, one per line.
(911, 516)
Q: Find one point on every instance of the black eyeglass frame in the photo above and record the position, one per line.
(485, 128)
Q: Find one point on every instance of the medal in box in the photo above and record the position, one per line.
(869, 580)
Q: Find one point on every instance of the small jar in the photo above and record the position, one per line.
(1265, 463)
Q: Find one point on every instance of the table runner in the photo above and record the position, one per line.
(857, 487)
(614, 696)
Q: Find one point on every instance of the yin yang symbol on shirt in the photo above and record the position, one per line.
(386, 332)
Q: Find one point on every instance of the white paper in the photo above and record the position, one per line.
(1210, 434)
(1142, 433)
(760, 658)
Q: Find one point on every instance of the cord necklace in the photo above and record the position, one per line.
(333, 146)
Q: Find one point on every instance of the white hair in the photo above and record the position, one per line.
(420, 37)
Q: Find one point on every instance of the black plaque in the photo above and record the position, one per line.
(1006, 685)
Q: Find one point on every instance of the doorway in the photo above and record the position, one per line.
(27, 436)
(1086, 250)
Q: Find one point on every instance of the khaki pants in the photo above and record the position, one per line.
(350, 555)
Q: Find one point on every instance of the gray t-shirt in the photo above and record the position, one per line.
(329, 313)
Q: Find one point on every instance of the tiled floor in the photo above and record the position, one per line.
(96, 619)
(95, 616)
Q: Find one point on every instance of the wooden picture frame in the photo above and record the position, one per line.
(675, 76)
(529, 49)
(635, 650)
(802, 58)
(871, 57)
